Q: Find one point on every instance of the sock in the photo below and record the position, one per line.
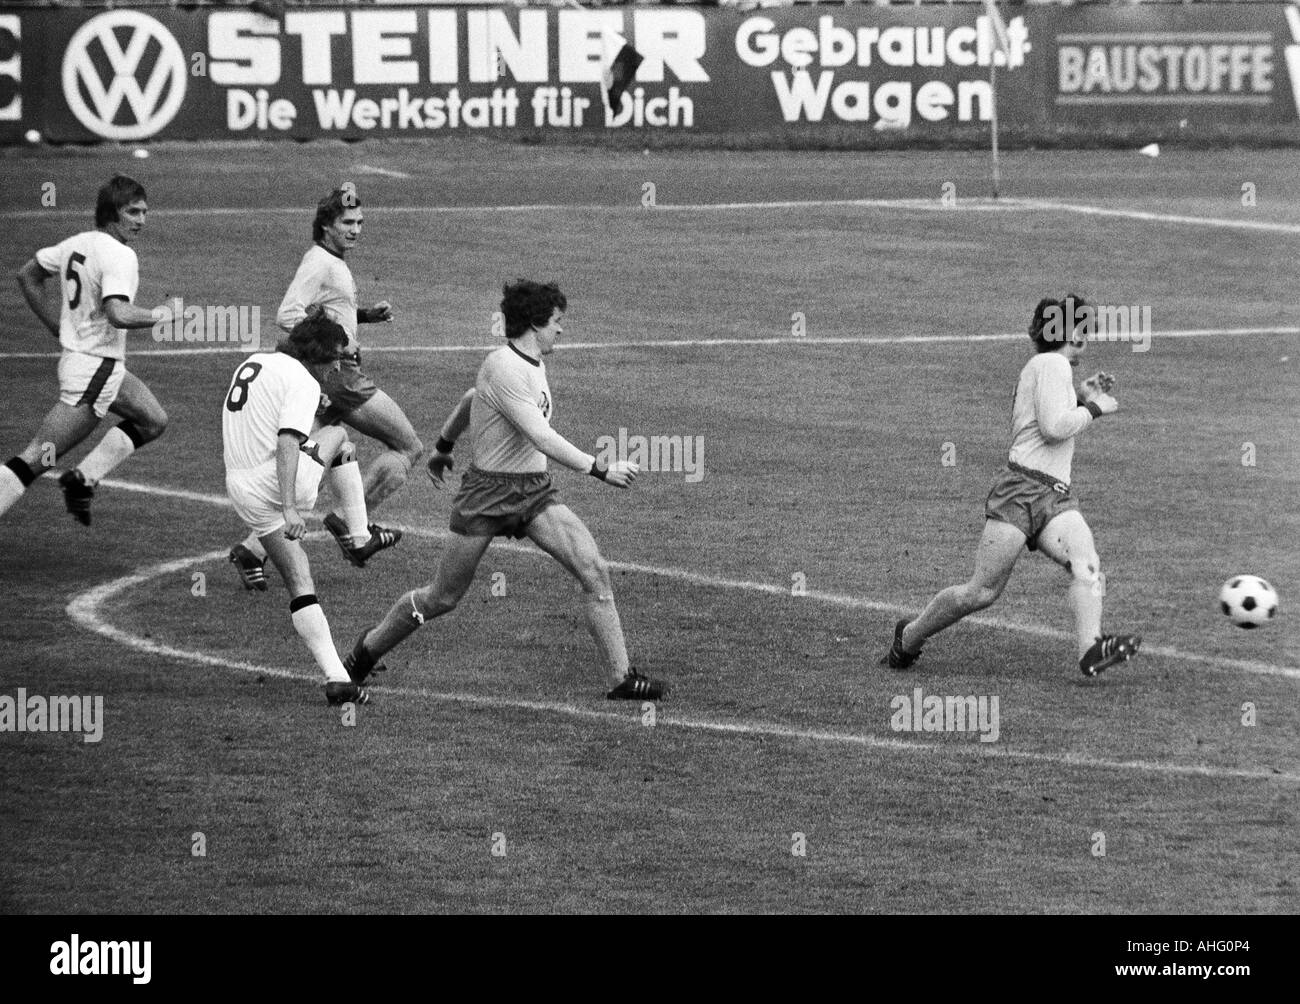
(310, 623)
(15, 476)
(400, 622)
(607, 630)
(111, 451)
(254, 543)
(345, 480)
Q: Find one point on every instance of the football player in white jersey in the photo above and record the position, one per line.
(1030, 501)
(324, 279)
(98, 275)
(507, 492)
(274, 468)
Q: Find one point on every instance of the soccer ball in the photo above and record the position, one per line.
(1248, 600)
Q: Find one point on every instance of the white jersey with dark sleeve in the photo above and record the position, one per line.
(1046, 416)
(510, 419)
(270, 392)
(92, 267)
(322, 278)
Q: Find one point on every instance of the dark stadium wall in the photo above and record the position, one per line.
(818, 75)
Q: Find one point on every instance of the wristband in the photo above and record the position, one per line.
(445, 445)
(596, 471)
(1094, 409)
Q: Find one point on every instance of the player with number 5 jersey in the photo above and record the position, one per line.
(98, 276)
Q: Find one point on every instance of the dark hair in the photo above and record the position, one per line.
(315, 339)
(1071, 305)
(332, 207)
(529, 304)
(120, 191)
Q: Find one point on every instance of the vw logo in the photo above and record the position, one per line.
(124, 57)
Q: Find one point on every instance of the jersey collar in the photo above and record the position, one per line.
(524, 356)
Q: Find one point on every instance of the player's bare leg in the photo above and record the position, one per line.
(460, 560)
(380, 418)
(63, 427)
(1067, 540)
(999, 548)
(143, 421)
(562, 535)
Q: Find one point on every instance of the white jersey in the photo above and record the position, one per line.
(322, 278)
(511, 412)
(92, 266)
(1046, 416)
(270, 392)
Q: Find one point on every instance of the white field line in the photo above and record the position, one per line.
(84, 609)
(634, 206)
(843, 600)
(795, 342)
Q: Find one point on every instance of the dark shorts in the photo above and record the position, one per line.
(1026, 503)
(347, 390)
(500, 505)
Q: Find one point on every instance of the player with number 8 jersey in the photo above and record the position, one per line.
(274, 468)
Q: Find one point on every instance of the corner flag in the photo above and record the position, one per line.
(621, 73)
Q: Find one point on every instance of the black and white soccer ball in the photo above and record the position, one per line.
(1248, 600)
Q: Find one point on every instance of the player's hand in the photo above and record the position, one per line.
(1098, 383)
(294, 527)
(621, 473)
(439, 465)
(1106, 403)
(175, 308)
(381, 311)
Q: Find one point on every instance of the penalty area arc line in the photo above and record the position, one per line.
(84, 609)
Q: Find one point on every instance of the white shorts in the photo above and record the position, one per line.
(256, 494)
(91, 380)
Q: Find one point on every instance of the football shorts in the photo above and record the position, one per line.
(256, 493)
(1027, 503)
(91, 380)
(347, 390)
(496, 504)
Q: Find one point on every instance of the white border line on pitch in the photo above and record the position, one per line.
(834, 599)
(682, 343)
(84, 609)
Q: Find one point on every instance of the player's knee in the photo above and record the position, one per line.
(146, 429)
(980, 595)
(593, 573)
(412, 450)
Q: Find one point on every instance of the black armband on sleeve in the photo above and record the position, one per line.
(597, 471)
(1094, 409)
(445, 445)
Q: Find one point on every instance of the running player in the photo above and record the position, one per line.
(273, 470)
(507, 492)
(98, 275)
(324, 278)
(1030, 502)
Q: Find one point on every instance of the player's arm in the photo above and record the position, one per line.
(1056, 419)
(524, 416)
(452, 429)
(287, 445)
(31, 280)
(122, 313)
(297, 298)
